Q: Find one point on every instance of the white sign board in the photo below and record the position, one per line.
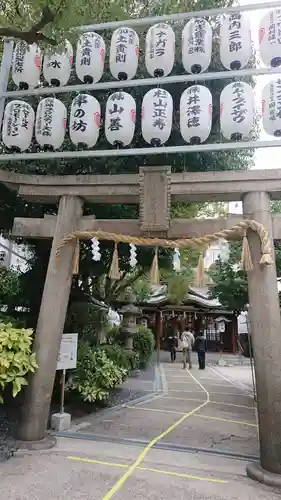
(68, 352)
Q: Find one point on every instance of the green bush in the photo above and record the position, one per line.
(121, 357)
(118, 355)
(96, 375)
(16, 358)
(116, 336)
(14, 322)
(134, 360)
(144, 343)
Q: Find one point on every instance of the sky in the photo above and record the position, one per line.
(264, 157)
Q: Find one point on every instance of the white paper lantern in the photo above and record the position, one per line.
(235, 41)
(196, 114)
(270, 38)
(84, 123)
(237, 110)
(26, 65)
(271, 108)
(90, 56)
(160, 50)
(124, 54)
(120, 119)
(157, 116)
(57, 66)
(50, 123)
(196, 45)
(18, 125)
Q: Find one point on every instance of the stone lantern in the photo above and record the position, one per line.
(129, 312)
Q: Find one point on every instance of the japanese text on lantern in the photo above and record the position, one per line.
(278, 98)
(25, 114)
(115, 110)
(234, 28)
(274, 104)
(161, 40)
(160, 97)
(197, 37)
(54, 63)
(274, 29)
(122, 45)
(86, 50)
(238, 103)
(19, 55)
(48, 117)
(13, 121)
(79, 113)
(193, 109)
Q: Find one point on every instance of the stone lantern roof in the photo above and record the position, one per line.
(130, 309)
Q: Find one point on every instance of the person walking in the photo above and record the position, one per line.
(201, 348)
(188, 340)
(173, 344)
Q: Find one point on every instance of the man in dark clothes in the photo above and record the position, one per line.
(173, 344)
(201, 348)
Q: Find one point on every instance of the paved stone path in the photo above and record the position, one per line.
(212, 424)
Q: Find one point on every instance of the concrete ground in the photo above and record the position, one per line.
(191, 441)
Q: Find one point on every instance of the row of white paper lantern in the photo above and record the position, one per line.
(237, 112)
(235, 51)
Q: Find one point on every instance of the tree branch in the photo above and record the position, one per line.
(27, 36)
(34, 35)
(47, 17)
(123, 284)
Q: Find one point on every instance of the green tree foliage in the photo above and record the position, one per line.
(48, 22)
(22, 16)
(230, 282)
(9, 286)
(16, 358)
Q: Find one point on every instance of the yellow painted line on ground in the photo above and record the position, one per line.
(118, 485)
(149, 469)
(179, 390)
(182, 377)
(144, 408)
(241, 422)
(211, 402)
(211, 392)
(191, 383)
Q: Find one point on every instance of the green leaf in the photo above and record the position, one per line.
(16, 358)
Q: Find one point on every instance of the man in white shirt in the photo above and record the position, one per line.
(188, 340)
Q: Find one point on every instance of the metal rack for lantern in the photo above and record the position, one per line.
(57, 68)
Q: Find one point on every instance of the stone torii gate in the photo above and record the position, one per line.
(155, 188)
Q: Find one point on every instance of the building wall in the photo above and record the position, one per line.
(13, 255)
(215, 249)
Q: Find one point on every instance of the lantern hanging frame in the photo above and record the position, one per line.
(180, 16)
(142, 82)
(107, 153)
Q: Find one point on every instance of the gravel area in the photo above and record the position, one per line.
(134, 387)
(139, 385)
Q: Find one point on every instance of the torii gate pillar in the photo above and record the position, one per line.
(266, 335)
(50, 323)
